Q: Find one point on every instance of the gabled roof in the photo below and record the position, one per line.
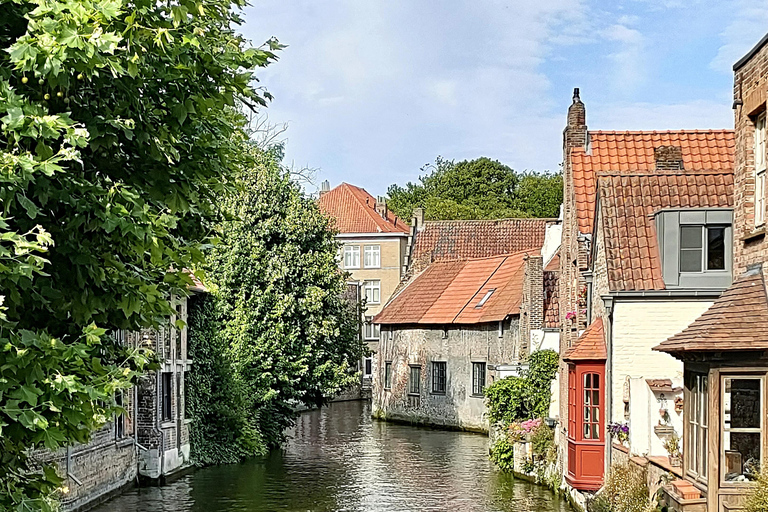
(628, 202)
(448, 240)
(449, 292)
(590, 346)
(551, 299)
(634, 151)
(354, 211)
(738, 320)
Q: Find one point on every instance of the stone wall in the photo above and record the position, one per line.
(458, 347)
(750, 85)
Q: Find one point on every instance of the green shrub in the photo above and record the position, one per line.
(757, 499)
(542, 442)
(503, 454)
(527, 396)
(625, 490)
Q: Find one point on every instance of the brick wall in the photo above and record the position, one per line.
(750, 84)
(532, 303)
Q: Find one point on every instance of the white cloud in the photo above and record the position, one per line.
(747, 27)
(629, 71)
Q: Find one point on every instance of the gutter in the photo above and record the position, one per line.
(712, 293)
(608, 302)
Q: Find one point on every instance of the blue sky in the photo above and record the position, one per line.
(372, 90)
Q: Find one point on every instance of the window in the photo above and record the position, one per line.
(591, 420)
(372, 331)
(368, 367)
(760, 165)
(372, 255)
(478, 378)
(388, 375)
(351, 256)
(119, 418)
(742, 428)
(697, 253)
(485, 298)
(438, 377)
(166, 390)
(414, 382)
(391, 333)
(372, 291)
(698, 425)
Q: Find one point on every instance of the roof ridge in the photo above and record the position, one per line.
(647, 132)
(664, 172)
(446, 221)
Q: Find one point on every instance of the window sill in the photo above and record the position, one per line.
(476, 396)
(754, 234)
(167, 424)
(414, 394)
(388, 389)
(438, 393)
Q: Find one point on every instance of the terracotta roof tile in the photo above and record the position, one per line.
(628, 202)
(738, 320)
(448, 292)
(551, 299)
(634, 151)
(354, 211)
(463, 239)
(590, 346)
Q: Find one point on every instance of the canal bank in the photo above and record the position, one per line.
(338, 458)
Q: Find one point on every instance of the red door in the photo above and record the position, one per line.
(586, 425)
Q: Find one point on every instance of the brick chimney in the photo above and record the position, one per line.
(668, 158)
(381, 206)
(418, 218)
(532, 304)
(575, 133)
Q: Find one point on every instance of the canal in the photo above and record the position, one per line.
(338, 459)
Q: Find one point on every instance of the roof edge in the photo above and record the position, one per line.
(751, 53)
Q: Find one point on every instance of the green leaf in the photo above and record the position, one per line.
(30, 207)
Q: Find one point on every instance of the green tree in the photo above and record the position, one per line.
(285, 329)
(118, 133)
(477, 189)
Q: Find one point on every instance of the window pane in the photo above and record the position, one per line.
(587, 381)
(596, 397)
(741, 457)
(595, 381)
(415, 380)
(587, 431)
(587, 416)
(690, 260)
(715, 248)
(690, 237)
(387, 375)
(368, 366)
(742, 403)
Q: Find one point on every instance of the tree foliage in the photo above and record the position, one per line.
(478, 189)
(527, 396)
(286, 333)
(117, 136)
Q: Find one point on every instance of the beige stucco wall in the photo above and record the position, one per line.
(638, 326)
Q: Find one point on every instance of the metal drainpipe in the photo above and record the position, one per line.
(608, 302)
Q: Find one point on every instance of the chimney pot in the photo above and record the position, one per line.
(325, 187)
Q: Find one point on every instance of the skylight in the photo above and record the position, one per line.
(485, 297)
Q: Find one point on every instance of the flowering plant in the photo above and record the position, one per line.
(570, 315)
(518, 431)
(619, 431)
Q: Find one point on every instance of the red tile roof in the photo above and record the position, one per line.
(448, 292)
(551, 299)
(448, 240)
(738, 320)
(590, 346)
(354, 211)
(554, 263)
(634, 151)
(628, 202)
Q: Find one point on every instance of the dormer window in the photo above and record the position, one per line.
(695, 246)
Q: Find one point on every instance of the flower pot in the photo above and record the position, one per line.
(675, 461)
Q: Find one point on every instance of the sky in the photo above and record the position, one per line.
(369, 91)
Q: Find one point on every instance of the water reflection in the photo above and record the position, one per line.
(340, 460)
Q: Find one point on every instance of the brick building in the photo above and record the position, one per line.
(641, 210)
(725, 351)
(471, 307)
(150, 442)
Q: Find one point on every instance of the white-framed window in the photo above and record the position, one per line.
(760, 165)
(367, 367)
(372, 256)
(698, 425)
(372, 291)
(371, 331)
(351, 256)
(741, 434)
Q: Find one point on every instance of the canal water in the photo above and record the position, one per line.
(338, 459)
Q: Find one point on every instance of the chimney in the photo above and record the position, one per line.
(325, 187)
(668, 158)
(418, 218)
(532, 303)
(381, 206)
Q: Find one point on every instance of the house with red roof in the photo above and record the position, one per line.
(646, 248)
(467, 312)
(373, 251)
